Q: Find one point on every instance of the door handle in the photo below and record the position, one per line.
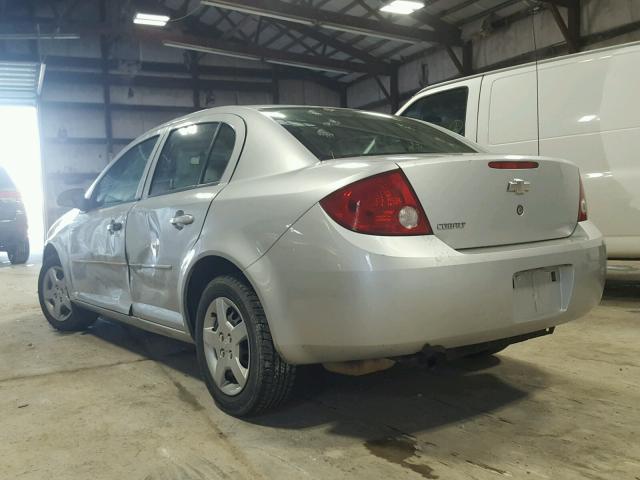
(181, 219)
(114, 226)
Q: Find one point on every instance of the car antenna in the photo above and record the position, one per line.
(536, 7)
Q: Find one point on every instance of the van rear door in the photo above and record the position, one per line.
(508, 112)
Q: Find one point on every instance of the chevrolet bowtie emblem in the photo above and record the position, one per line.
(518, 186)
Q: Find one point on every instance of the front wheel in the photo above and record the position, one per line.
(241, 367)
(20, 253)
(55, 302)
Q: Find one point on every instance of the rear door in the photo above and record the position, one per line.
(452, 106)
(508, 113)
(99, 270)
(194, 165)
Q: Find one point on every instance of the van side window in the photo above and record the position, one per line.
(183, 158)
(447, 109)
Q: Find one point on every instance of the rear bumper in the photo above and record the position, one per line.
(334, 295)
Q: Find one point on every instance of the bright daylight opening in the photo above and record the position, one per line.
(20, 140)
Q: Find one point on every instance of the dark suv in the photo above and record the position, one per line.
(13, 221)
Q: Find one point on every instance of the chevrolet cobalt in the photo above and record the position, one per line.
(273, 237)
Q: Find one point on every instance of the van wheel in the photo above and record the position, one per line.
(241, 367)
(20, 253)
(55, 302)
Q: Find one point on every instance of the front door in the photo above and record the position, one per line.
(99, 272)
(193, 167)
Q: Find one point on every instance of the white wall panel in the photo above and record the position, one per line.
(152, 96)
(301, 92)
(72, 92)
(131, 123)
(72, 122)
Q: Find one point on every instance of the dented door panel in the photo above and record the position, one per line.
(156, 248)
(97, 258)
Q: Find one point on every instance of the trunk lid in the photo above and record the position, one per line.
(470, 205)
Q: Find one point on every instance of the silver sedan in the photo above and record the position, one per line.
(273, 237)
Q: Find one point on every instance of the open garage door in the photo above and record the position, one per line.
(20, 82)
(20, 85)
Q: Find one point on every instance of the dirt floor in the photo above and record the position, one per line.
(119, 403)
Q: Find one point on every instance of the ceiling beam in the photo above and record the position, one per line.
(338, 45)
(335, 21)
(436, 23)
(564, 3)
(570, 37)
(209, 45)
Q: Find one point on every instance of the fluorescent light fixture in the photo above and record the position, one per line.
(214, 51)
(306, 65)
(42, 36)
(248, 56)
(151, 19)
(230, 5)
(402, 7)
(371, 33)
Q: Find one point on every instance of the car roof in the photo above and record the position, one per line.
(238, 110)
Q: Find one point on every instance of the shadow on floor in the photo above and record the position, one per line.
(621, 290)
(401, 401)
(34, 258)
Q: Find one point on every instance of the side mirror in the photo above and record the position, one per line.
(74, 198)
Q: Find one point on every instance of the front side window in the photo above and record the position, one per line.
(447, 109)
(340, 133)
(121, 181)
(184, 158)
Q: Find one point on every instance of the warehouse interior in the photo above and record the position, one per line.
(80, 80)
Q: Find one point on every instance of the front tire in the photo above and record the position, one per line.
(55, 302)
(20, 253)
(240, 365)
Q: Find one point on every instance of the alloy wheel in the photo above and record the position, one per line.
(55, 294)
(226, 346)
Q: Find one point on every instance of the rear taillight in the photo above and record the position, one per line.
(13, 194)
(582, 205)
(383, 204)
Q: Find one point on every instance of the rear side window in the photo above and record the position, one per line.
(183, 158)
(5, 181)
(121, 181)
(447, 109)
(220, 154)
(331, 133)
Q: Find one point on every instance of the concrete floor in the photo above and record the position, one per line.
(119, 403)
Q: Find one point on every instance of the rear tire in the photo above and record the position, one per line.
(20, 253)
(240, 365)
(55, 303)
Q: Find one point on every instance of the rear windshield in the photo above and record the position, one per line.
(338, 133)
(5, 181)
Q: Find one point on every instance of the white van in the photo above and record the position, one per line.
(583, 107)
